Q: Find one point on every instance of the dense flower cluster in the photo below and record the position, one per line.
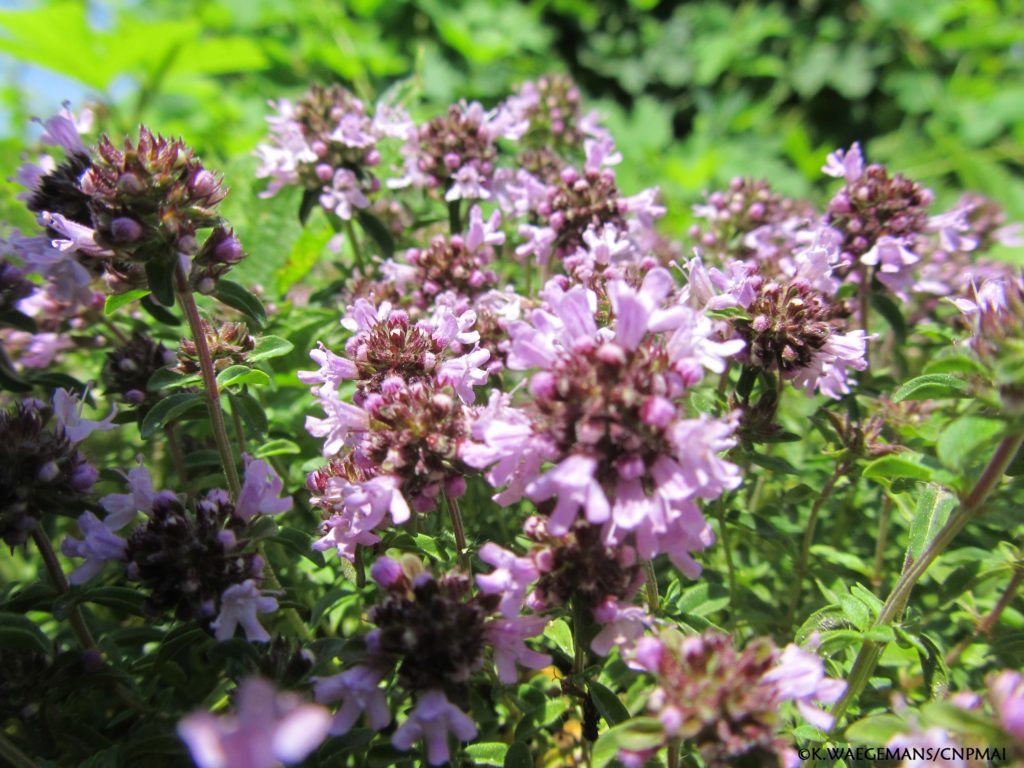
(433, 632)
(725, 701)
(194, 559)
(41, 469)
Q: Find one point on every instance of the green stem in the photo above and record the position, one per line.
(290, 614)
(13, 756)
(236, 417)
(864, 296)
(220, 434)
(723, 531)
(805, 547)
(177, 456)
(883, 534)
(454, 218)
(673, 753)
(460, 532)
(870, 651)
(53, 567)
(358, 565)
(357, 249)
(581, 654)
(651, 584)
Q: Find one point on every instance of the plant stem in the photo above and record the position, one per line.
(673, 753)
(220, 434)
(864, 295)
(989, 621)
(729, 567)
(454, 219)
(239, 432)
(176, 456)
(579, 664)
(460, 532)
(651, 583)
(357, 249)
(13, 756)
(118, 333)
(805, 547)
(53, 567)
(883, 534)
(360, 570)
(870, 651)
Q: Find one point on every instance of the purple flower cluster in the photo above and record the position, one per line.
(431, 634)
(726, 701)
(327, 143)
(397, 443)
(196, 563)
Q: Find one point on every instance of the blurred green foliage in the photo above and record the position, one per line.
(695, 93)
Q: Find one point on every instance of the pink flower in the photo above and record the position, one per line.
(800, 676)
(432, 719)
(68, 412)
(121, 508)
(1006, 692)
(239, 605)
(98, 546)
(342, 420)
(269, 729)
(623, 626)
(573, 484)
(260, 491)
(359, 691)
(848, 165)
(506, 636)
(510, 578)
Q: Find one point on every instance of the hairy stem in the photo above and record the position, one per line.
(220, 433)
(651, 584)
(970, 505)
(805, 547)
(723, 531)
(673, 753)
(580, 644)
(990, 619)
(53, 567)
(457, 528)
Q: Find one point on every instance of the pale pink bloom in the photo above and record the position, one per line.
(342, 420)
(506, 636)
(432, 719)
(261, 490)
(480, 232)
(847, 165)
(463, 373)
(623, 626)
(938, 747)
(68, 411)
(344, 195)
(269, 729)
(827, 370)
(359, 691)
(121, 508)
(239, 605)
(510, 578)
(1006, 692)
(799, 676)
(98, 546)
(571, 482)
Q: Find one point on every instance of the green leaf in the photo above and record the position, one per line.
(954, 363)
(890, 310)
(608, 704)
(895, 465)
(160, 274)
(276, 447)
(21, 633)
(932, 386)
(118, 300)
(518, 756)
(235, 296)
(305, 253)
(269, 346)
(961, 444)
(634, 735)
(380, 234)
(122, 599)
(168, 378)
(931, 513)
(875, 729)
(558, 632)
(933, 665)
(254, 415)
(427, 544)
(159, 313)
(236, 375)
(855, 612)
(488, 753)
(300, 543)
(167, 410)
